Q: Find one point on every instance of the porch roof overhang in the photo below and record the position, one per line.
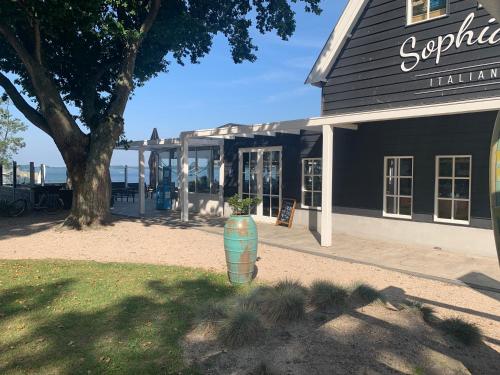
(164, 144)
(266, 129)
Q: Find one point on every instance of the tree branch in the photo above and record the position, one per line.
(28, 111)
(15, 43)
(125, 80)
(38, 42)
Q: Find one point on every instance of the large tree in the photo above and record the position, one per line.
(91, 54)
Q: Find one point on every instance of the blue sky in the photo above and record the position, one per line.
(217, 91)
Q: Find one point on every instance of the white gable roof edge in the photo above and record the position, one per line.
(338, 37)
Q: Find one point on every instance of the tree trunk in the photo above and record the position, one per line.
(88, 171)
(91, 195)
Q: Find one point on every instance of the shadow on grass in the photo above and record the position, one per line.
(137, 335)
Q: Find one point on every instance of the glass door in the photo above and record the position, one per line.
(249, 185)
(260, 177)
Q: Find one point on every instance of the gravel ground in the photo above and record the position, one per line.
(137, 242)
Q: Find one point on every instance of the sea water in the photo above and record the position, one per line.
(55, 175)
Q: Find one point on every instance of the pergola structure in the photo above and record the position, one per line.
(230, 131)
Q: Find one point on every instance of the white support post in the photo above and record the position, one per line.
(221, 178)
(184, 188)
(142, 192)
(327, 188)
(43, 174)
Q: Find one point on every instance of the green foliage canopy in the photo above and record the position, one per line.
(83, 44)
(10, 127)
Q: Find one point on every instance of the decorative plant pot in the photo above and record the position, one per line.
(240, 244)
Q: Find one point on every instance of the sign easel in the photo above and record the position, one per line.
(285, 216)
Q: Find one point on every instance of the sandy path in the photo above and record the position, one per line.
(135, 242)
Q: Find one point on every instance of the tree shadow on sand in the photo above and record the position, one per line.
(137, 335)
(360, 338)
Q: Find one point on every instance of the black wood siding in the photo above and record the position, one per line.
(368, 76)
(359, 162)
(290, 159)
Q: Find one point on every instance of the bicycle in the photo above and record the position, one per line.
(49, 203)
(15, 208)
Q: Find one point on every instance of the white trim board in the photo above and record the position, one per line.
(340, 34)
(402, 113)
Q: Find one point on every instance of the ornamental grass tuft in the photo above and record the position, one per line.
(327, 295)
(366, 293)
(240, 328)
(212, 313)
(465, 332)
(426, 312)
(288, 302)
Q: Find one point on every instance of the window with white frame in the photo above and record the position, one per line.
(398, 186)
(425, 10)
(311, 183)
(453, 178)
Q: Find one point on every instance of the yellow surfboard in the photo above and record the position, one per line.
(495, 182)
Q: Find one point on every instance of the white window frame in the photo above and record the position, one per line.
(409, 13)
(303, 187)
(452, 199)
(397, 192)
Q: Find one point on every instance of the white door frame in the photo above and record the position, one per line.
(260, 168)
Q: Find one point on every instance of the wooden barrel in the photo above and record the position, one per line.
(240, 244)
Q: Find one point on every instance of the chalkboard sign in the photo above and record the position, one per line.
(287, 211)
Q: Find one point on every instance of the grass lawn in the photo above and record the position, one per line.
(90, 318)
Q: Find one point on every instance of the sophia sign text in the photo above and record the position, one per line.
(435, 48)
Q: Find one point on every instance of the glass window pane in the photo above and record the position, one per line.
(317, 167)
(437, 8)
(316, 200)
(390, 187)
(266, 206)
(406, 167)
(307, 199)
(419, 10)
(462, 189)
(275, 207)
(390, 205)
(308, 182)
(461, 210)
(317, 183)
(445, 188)
(462, 167)
(202, 175)
(444, 209)
(405, 206)
(391, 167)
(192, 171)
(405, 186)
(308, 166)
(445, 167)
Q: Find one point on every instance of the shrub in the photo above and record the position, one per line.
(288, 303)
(366, 293)
(326, 295)
(466, 333)
(426, 312)
(258, 298)
(213, 312)
(240, 328)
(287, 284)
